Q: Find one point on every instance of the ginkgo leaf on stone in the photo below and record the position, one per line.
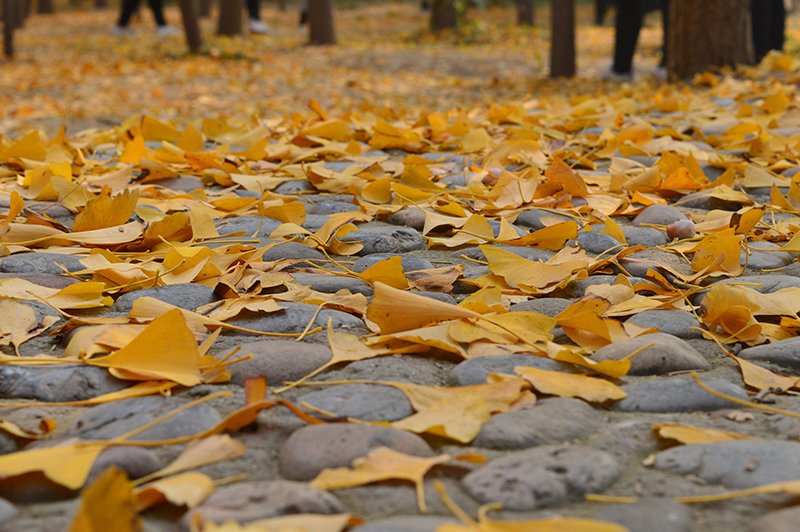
(284, 523)
(103, 211)
(107, 504)
(185, 489)
(67, 465)
(590, 389)
(691, 435)
(165, 350)
(384, 463)
(74, 296)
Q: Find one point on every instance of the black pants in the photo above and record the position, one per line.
(129, 6)
(628, 25)
(769, 25)
(252, 9)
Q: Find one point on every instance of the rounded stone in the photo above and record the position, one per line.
(648, 514)
(410, 217)
(549, 306)
(595, 242)
(311, 449)
(735, 464)
(244, 502)
(295, 318)
(550, 421)
(330, 284)
(577, 289)
(476, 370)
(8, 512)
(137, 462)
(533, 218)
(252, 226)
(385, 239)
(114, 419)
(677, 394)
(56, 384)
(406, 523)
(675, 322)
(669, 354)
(365, 402)
(544, 476)
(764, 260)
(784, 520)
(644, 236)
(409, 264)
(40, 262)
(658, 215)
(50, 280)
(293, 251)
(277, 360)
(536, 254)
(331, 207)
(785, 353)
(296, 185)
(187, 296)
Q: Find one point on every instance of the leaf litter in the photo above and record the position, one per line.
(569, 151)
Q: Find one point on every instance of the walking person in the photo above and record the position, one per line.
(628, 24)
(769, 25)
(254, 22)
(129, 8)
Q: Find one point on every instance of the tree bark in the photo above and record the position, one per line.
(562, 42)
(190, 25)
(443, 15)
(9, 18)
(525, 12)
(708, 33)
(321, 28)
(230, 17)
(45, 7)
(100, 4)
(204, 10)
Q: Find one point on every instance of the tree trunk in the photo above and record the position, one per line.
(190, 25)
(8, 27)
(204, 10)
(320, 22)
(45, 7)
(525, 12)
(100, 4)
(708, 33)
(230, 17)
(562, 41)
(443, 15)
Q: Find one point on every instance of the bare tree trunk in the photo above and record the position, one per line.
(525, 12)
(562, 42)
(321, 29)
(9, 19)
(100, 4)
(230, 17)
(708, 33)
(190, 25)
(443, 15)
(45, 7)
(205, 9)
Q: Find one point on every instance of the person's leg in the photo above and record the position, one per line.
(628, 25)
(665, 26)
(254, 22)
(760, 21)
(128, 8)
(778, 25)
(158, 12)
(252, 9)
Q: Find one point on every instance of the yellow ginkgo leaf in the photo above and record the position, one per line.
(107, 504)
(590, 389)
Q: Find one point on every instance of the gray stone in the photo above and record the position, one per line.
(549, 306)
(438, 296)
(292, 250)
(409, 264)
(331, 207)
(406, 523)
(677, 394)
(314, 222)
(291, 187)
(550, 421)
(675, 322)
(244, 502)
(595, 242)
(365, 402)
(735, 464)
(544, 476)
(778, 521)
(252, 226)
(40, 262)
(648, 514)
(644, 236)
(476, 370)
(295, 318)
(763, 260)
(311, 449)
(533, 218)
(277, 360)
(184, 183)
(330, 284)
(114, 419)
(7, 444)
(385, 239)
(187, 296)
(667, 355)
(8, 511)
(135, 461)
(786, 427)
(658, 215)
(50, 280)
(55, 384)
(396, 368)
(785, 353)
(410, 217)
